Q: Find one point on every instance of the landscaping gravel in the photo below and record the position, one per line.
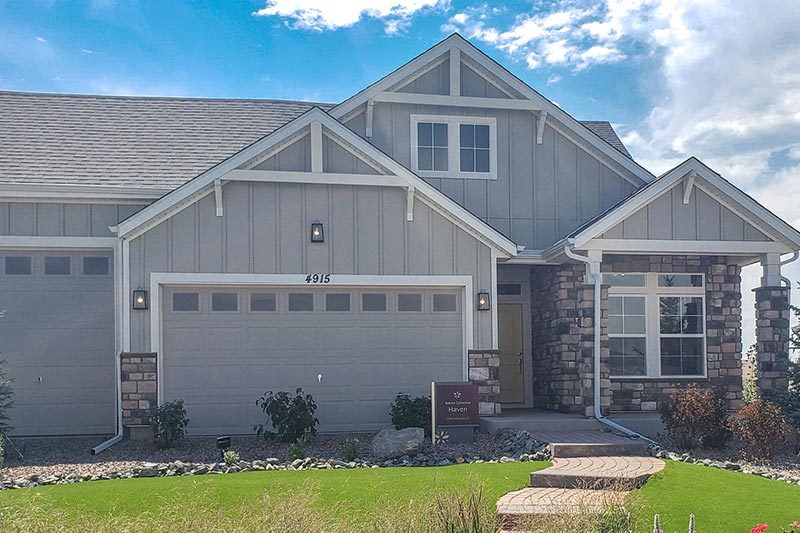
(67, 460)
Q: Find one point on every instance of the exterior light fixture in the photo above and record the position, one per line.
(140, 298)
(317, 232)
(484, 300)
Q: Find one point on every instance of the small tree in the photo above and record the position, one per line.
(292, 417)
(168, 422)
(6, 400)
(789, 400)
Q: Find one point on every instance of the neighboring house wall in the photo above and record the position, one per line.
(542, 191)
(703, 218)
(62, 219)
(265, 230)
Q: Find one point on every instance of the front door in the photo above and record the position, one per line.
(511, 348)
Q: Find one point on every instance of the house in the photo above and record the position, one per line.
(446, 223)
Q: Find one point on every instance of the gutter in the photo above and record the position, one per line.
(786, 280)
(593, 270)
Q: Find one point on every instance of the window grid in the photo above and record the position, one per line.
(627, 331)
(479, 139)
(473, 145)
(689, 342)
(432, 146)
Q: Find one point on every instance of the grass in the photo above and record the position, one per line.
(722, 501)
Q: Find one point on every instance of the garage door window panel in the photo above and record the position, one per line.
(57, 266)
(300, 302)
(337, 302)
(18, 265)
(373, 302)
(445, 303)
(186, 302)
(95, 266)
(409, 303)
(263, 302)
(224, 302)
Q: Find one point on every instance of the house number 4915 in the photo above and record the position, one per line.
(318, 278)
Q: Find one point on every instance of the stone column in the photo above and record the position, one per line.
(139, 393)
(772, 338)
(484, 371)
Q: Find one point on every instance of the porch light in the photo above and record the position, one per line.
(317, 232)
(140, 298)
(484, 301)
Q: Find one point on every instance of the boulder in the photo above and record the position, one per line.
(394, 443)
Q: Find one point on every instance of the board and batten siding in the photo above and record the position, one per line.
(542, 191)
(265, 230)
(702, 219)
(62, 219)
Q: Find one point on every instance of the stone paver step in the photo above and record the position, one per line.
(519, 509)
(597, 449)
(607, 472)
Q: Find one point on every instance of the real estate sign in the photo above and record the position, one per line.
(454, 412)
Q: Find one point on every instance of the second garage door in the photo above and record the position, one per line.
(352, 349)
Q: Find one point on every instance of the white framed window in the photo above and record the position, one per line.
(656, 325)
(454, 147)
(224, 302)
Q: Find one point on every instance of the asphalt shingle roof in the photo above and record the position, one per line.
(605, 131)
(147, 142)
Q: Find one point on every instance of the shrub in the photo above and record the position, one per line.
(760, 429)
(169, 423)
(352, 449)
(298, 449)
(408, 412)
(693, 417)
(2, 451)
(292, 418)
(6, 400)
(231, 457)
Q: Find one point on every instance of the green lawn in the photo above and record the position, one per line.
(722, 501)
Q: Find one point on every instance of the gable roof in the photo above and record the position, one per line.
(571, 127)
(190, 192)
(724, 191)
(156, 143)
(604, 130)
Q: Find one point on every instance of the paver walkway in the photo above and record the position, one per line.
(575, 484)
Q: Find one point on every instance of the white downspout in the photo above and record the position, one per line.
(786, 280)
(593, 269)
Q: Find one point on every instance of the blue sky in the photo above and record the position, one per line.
(719, 79)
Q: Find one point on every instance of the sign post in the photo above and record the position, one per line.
(454, 411)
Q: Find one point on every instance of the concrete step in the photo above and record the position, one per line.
(620, 473)
(628, 447)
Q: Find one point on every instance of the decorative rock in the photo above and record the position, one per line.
(393, 443)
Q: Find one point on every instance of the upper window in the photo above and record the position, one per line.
(19, 265)
(454, 147)
(656, 325)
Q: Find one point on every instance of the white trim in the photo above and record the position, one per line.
(126, 290)
(444, 100)
(316, 146)
(324, 178)
(687, 247)
(494, 303)
(78, 243)
(540, 123)
(473, 54)
(688, 185)
(410, 204)
(455, 72)
(369, 118)
(69, 193)
(198, 187)
(454, 145)
(160, 279)
(218, 197)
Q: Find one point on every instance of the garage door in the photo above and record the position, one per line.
(57, 336)
(353, 349)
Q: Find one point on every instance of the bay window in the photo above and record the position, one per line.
(656, 325)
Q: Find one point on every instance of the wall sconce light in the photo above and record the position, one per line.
(484, 301)
(317, 232)
(140, 298)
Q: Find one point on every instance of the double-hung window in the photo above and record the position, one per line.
(453, 146)
(656, 325)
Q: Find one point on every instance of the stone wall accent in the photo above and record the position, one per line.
(723, 331)
(562, 321)
(772, 338)
(484, 370)
(139, 389)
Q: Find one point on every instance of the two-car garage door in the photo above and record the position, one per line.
(353, 349)
(57, 336)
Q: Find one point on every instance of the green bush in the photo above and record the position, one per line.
(292, 418)
(352, 449)
(760, 429)
(6, 400)
(408, 412)
(298, 449)
(231, 457)
(169, 423)
(695, 417)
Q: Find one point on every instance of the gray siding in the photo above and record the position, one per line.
(296, 157)
(265, 230)
(542, 192)
(435, 81)
(62, 220)
(703, 218)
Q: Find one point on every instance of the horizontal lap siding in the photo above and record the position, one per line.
(265, 230)
(62, 219)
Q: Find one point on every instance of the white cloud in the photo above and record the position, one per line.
(87, 51)
(41, 39)
(321, 15)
